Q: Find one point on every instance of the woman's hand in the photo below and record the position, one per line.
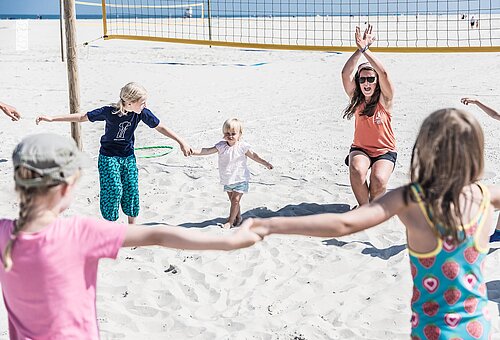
(366, 39)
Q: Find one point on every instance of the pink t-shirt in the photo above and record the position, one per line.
(50, 291)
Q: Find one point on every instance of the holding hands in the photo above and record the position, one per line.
(467, 101)
(363, 41)
(186, 149)
(10, 111)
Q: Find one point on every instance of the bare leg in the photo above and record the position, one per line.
(131, 220)
(379, 176)
(359, 164)
(234, 211)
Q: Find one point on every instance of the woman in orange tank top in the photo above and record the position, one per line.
(371, 92)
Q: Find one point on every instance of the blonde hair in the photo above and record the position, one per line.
(132, 92)
(447, 156)
(232, 124)
(27, 197)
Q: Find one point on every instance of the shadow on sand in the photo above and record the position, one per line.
(371, 250)
(302, 209)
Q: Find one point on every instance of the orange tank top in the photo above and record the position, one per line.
(374, 134)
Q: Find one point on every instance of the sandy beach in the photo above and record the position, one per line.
(291, 102)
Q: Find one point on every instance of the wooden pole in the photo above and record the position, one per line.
(61, 28)
(72, 62)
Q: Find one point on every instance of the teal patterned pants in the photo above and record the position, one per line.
(118, 177)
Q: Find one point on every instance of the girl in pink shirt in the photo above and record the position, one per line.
(50, 262)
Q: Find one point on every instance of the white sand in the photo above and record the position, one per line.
(357, 287)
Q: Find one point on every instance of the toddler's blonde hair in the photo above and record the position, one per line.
(232, 124)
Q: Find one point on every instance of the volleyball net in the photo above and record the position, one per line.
(327, 25)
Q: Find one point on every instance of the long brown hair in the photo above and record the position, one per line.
(358, 98)
(26, 203)
(447, 156)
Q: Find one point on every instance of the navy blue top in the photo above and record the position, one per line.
(118, 139)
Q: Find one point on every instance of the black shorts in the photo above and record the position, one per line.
(390, 156)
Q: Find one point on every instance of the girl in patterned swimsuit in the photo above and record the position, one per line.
(118, 175)
(448, 216)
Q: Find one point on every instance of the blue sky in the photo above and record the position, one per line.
(44, 7)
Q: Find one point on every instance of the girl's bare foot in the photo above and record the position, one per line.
(237, 221)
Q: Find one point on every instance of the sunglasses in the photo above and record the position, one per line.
(371, 80)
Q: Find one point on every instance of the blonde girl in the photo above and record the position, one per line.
(233, 169)
(50, 262)
(118, 175)
(448, 215)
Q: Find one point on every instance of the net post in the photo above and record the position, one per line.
(72, 66)
(209, 14)
(104, 23)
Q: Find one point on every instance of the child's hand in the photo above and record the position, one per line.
(257, 225)
(10, 111)
(467, 101)
(245, 237)
(42, 119)
(186, 149)
(269, 166)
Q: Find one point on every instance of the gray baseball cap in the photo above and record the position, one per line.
(55, 158)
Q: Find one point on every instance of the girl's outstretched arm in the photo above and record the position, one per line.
(186, 149)
(253, 156)
(75, 118)
(333, 225)
(495, 196)
(205, 151)
(489, 111)
(182, 238)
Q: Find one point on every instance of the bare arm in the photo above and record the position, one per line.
(205, 151)
(495, 196)
(363, 41)
(10, 111)
(348, 73)
(74, 118)
(489, 111)
(253, 156)
(334, 225)
(181, 238)
(186, 149)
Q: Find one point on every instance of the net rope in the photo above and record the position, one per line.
(308, 24)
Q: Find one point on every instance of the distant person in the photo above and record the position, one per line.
(188, 13)
(370, 92)
(50, 261)
(472, 22)
(448, 215)
(495, 115)
(10, 111)
(118, 174)
(233, 169)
